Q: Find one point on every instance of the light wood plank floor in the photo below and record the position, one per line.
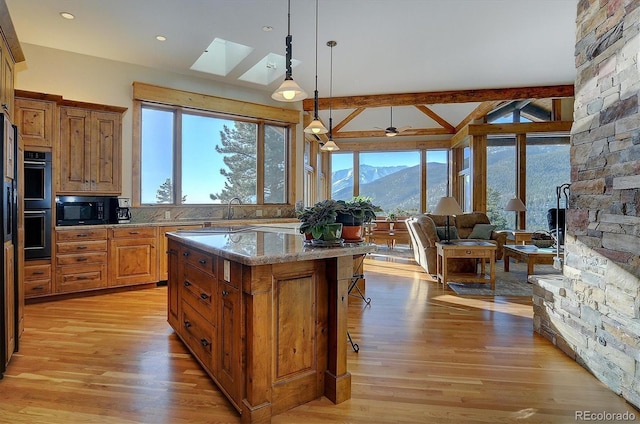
(426, 356)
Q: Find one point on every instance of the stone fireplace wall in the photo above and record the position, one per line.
(592, 313)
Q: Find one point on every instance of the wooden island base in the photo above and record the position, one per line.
(271, 336)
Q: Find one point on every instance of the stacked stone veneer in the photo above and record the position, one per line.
(592, 312)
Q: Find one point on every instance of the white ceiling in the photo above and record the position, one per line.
(384, 46)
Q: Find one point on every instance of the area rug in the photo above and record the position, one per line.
(512, 283)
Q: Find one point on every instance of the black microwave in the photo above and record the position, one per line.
(82, 210)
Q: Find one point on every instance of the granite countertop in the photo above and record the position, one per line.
(263, 244)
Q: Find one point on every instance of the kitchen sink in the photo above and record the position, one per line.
(221, 229)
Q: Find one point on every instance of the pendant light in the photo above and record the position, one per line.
(330, 146)
(289, 91)
(316, 127)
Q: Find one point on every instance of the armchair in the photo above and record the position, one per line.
(423, 230)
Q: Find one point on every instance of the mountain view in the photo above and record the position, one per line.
(397, 188)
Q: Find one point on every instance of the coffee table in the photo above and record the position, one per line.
(528, 253)
(481, 251)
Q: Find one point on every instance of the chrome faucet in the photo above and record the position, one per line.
(230, 209)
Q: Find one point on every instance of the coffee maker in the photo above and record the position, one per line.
(122, 210)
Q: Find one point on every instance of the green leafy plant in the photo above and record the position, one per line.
(316, 219)
(356, 211)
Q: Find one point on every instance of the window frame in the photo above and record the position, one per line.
(181, 101)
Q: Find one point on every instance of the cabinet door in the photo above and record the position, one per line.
(35, 120)
(7, 84)
(132, 261)
(173, 280)
(10, 302)
(106, 152)
(75, 140)
(228, 366)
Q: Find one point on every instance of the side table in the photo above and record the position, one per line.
(479, 250)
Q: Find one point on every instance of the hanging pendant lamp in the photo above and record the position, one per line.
(330, 146)
(289, 90)
(316, 126)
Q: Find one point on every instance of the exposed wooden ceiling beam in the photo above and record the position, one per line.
(480, 111)
(442, 97)
(381, 133)
(431, 114)
(348, 119)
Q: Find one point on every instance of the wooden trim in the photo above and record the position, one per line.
(372, 146)
(441, 97)
(171, 96)
(520, 128)
(521, 176)
(136, 152)
(478, 164)
(9, 33)
(381, 133)
(61, 101)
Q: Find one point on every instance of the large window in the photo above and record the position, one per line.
(391, 178)
(211, 158)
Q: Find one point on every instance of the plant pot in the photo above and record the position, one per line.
(331, 232)
(352, 233)
(348, 219)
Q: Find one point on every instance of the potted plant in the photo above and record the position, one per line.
(353, 214)
(319, 221)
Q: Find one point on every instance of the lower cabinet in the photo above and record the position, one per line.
(204, 310)
(163, 247)
(132, 256)
(37, 279)
(81, 260)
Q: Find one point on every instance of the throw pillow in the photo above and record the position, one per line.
(482, 231)
(442, 232)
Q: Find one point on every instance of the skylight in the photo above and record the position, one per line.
(221, 57)
(269, 69)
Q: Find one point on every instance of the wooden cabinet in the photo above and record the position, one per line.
(36, 119)
(10, 306)
(81, 260)
(90, 151)
(37, 279)
(208, 312)
(163, 248)
(7, 75)
(133, 256)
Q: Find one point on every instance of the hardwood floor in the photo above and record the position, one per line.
(426, 356)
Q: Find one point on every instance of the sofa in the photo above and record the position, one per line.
(426, 230)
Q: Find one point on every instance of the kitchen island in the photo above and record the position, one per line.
(264, 314)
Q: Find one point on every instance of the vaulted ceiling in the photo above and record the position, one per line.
(456, 54)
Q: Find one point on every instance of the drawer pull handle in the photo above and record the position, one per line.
(82, 235)
(38, 273)
(468, 252)
(185, 254)
(171, 251)
(187, 324)
(81, 247)
(225, 293)
(204, 296)
(133, 233)
(83, 277)
(203, 261)
(186, 283)
(38, 288)
(81, 259)
(204, 342)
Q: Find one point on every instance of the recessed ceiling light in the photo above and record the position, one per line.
(267, 28)
(67, 15)
(161, 38)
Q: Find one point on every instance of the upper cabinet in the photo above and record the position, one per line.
(10, 54)
(90, 151)
(36, 119)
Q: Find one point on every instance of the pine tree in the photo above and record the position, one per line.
(494, 212)
(274, 166)
(164, 194)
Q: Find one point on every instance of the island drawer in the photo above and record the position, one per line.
(199, 288)
(202, 261)
(199, 332)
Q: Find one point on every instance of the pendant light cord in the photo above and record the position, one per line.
(315, 103)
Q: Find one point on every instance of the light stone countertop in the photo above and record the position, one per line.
(265, 244)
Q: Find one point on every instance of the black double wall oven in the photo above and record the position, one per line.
(37, 205)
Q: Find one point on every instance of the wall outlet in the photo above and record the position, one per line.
(258, 212)
(278, 212)
(167, 214)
